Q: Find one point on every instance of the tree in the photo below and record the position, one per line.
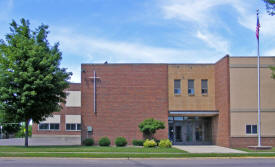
(273, 72)
(270, 6)
(149, 127)
(31, 82)
(8, 129)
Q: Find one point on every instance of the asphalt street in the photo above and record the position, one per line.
(192, 162)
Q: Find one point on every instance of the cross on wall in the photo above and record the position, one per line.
(94, 78)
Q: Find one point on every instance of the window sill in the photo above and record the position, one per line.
(191, 94)
(73, 130)
(204, 94)
(177, 94)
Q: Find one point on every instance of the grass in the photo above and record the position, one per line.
(88, 149)
(130, 155)
(111, 152)
(250, 150)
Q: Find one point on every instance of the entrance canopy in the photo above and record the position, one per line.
(194, 113)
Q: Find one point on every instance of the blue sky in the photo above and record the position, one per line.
(146, 31)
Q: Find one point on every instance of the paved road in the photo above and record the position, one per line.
(197, 162)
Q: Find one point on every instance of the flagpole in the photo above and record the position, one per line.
(259, 95)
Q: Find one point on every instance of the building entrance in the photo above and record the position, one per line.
(190, 130)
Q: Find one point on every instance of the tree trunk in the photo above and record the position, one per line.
(27, 133)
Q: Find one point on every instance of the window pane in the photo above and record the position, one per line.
(204, 83)
(54, 126)
(254, 129)
(177, 86)
(248, 129)
(44, 126)
(78, 126)
(204, 86)
(73, 127)
(178, 118)
(191, 83)
(68, 126)
(191, 87)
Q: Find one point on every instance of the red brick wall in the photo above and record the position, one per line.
(62, 113)
(126, 95)
(241, 142)
(222, 91)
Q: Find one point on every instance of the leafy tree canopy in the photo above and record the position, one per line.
(270, 6)
(149, 127)
(31, 82)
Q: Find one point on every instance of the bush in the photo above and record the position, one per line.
(149, 127)
(165, 143)
(138, 142)
(104, 141)
(88, 142)
(149, 143)
(120, 142)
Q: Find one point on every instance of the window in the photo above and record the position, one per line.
(176, 86)
(191, 87)
(73, 127)
(49, 126)
(178, 118)
(204, 86)
(43, 126)
(251, 129)
(54, 126)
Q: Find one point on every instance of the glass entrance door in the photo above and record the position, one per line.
(190, 131)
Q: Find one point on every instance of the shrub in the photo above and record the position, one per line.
(149, 143)
(88, 142)
(120, 142)
(138, 142)
(165, 143)
(104, 141)
(149, 127)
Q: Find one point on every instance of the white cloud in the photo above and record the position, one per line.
(214, 41)
(98, 50)
(267, 23)
(201, 15)
(200, 12)
(270, 52)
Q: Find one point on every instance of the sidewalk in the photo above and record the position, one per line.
(208, 149)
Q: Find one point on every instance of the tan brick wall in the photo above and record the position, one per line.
(126, 95)
(196, 101)
(239, 120)
(244, 84)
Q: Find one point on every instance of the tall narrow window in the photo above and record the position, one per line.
(176, 86)
(204, 86)
(191, 90)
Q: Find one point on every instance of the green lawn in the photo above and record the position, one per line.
(88, 149)
(249, 150)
